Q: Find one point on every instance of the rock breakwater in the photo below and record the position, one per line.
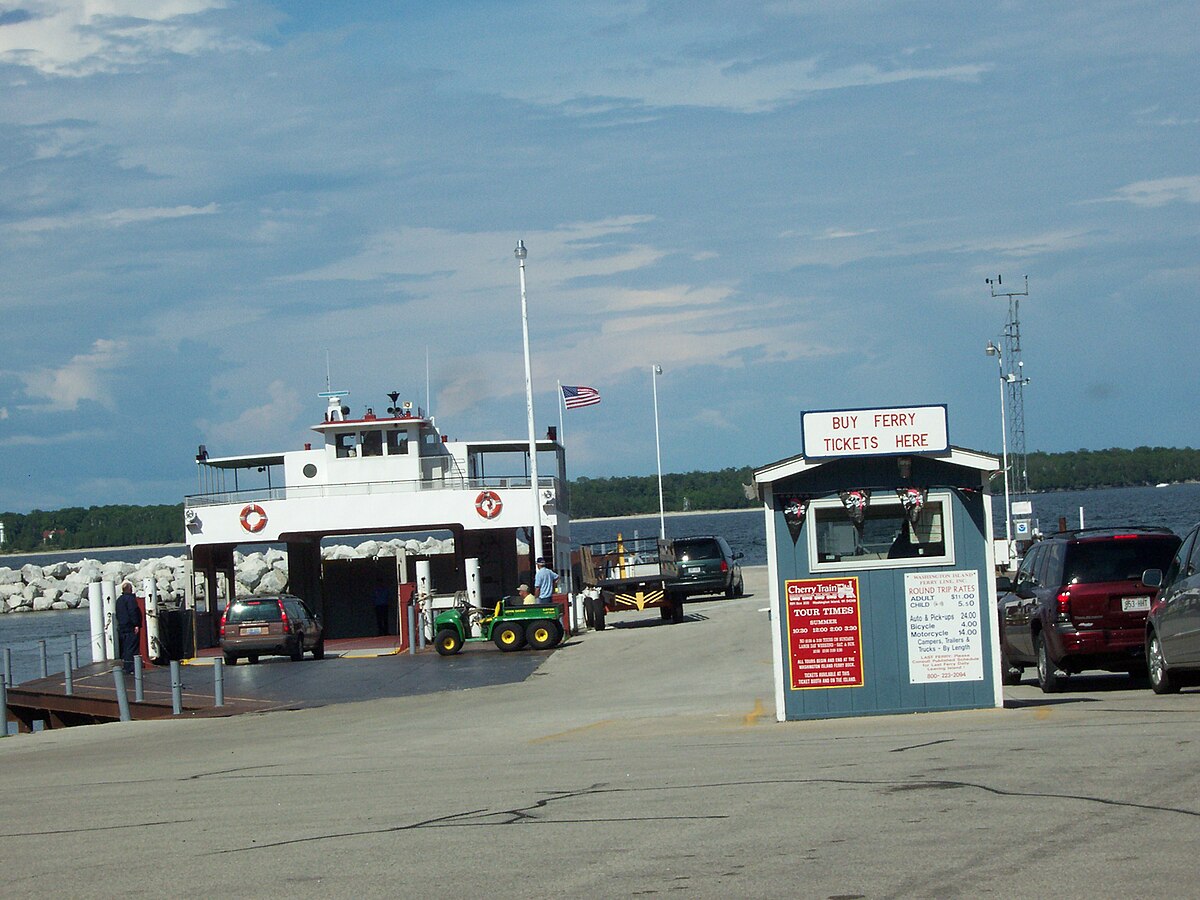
(64, 585)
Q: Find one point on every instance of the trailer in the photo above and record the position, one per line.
(628, 574)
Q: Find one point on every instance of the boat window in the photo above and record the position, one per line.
(371, 443)
(397, 442)
(885, 539)
(346, 444)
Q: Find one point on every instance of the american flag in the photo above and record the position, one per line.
(575, 397)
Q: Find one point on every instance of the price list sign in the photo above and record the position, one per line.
(824, 636)
(945, 641)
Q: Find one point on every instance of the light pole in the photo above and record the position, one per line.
(655, 371)
(993, 350)
(521, 253)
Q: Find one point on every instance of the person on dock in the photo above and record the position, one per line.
(129, 625)
(543, 581)
(524, 596)
(380, 600)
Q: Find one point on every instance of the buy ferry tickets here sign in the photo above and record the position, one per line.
(891, 431)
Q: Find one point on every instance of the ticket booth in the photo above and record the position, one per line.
(879, 545)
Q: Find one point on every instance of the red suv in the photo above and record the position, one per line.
(1078, 602)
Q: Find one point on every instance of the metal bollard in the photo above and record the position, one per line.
(412, 625)
(122, 697)
(74, 649)
(139, 688)
(68, 680)
(8, 666)
(176, 689)
(45, 664)
(3, 706)
(218, 682)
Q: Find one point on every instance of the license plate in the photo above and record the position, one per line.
(691, 570)
(258, 629)
(1135, 604)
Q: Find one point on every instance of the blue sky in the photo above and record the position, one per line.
(786, 205)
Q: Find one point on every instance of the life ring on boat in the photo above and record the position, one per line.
(488, 504)
(254, 518)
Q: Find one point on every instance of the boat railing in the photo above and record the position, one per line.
(308, 491)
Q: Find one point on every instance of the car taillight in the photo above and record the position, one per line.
(724, 566)
(221, 628)
(287, 626)
(1064, 606)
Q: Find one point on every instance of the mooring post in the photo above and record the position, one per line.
(3, 705)
(218, 682)
(118, 674)
(8, 666)
(45, 663)
(69, 684)
(412, 624)
(139, 689)
(74, 649)
(176, 689)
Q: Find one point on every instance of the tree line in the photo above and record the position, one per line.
(123, 525)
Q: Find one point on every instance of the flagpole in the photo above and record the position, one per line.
(535, 491)
(562, 434)
(655, 371)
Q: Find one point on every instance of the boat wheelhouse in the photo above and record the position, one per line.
(390, 474)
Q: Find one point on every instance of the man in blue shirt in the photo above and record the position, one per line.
(543, 581)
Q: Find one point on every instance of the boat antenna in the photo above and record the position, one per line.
(428, 411)
(327, 383)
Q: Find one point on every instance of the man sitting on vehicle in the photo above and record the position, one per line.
(524, 597)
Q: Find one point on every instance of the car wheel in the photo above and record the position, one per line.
(1048, 678)
(509, 636)
(447, 642)
(319, 648)
(741, 586)
(297, 653)
(589, 617)
(1161, 680)
(253, 657)
(664, 611)
(677, 611)
(598, 614)
(230, 659)
(1009, 674)
(542, 635)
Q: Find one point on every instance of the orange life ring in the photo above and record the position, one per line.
(253, 509)
(488, 504)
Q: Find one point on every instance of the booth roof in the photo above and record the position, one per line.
(794, 465)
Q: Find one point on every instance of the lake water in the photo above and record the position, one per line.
(1176, 506)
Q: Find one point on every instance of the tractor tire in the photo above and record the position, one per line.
(543, 634)
(447, 642)
(509, 636)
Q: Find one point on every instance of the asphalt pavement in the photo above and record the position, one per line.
(639, 760)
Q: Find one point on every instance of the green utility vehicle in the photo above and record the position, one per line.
(510, 626)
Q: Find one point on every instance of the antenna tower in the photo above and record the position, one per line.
(1013, 373)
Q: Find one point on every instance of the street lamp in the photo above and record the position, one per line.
(655, 371)
(521, 253)
(993, 350)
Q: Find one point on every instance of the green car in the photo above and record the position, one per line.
(707, 565)
(510, 626)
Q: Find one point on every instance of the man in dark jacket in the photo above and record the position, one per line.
(129, 624)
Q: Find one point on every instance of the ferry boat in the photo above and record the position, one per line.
(377, 475)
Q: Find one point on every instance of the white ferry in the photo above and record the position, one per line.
(377, 475)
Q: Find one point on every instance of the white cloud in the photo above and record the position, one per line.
(81, 379)
(269, 420)
(1158, 192)
(86, 37)
(89, 435)
(115, 218)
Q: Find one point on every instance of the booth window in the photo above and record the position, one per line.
(886, 539)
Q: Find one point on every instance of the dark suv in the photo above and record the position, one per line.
(1078, 602)
(1173, 626)
(280, 625)
(707, 565)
